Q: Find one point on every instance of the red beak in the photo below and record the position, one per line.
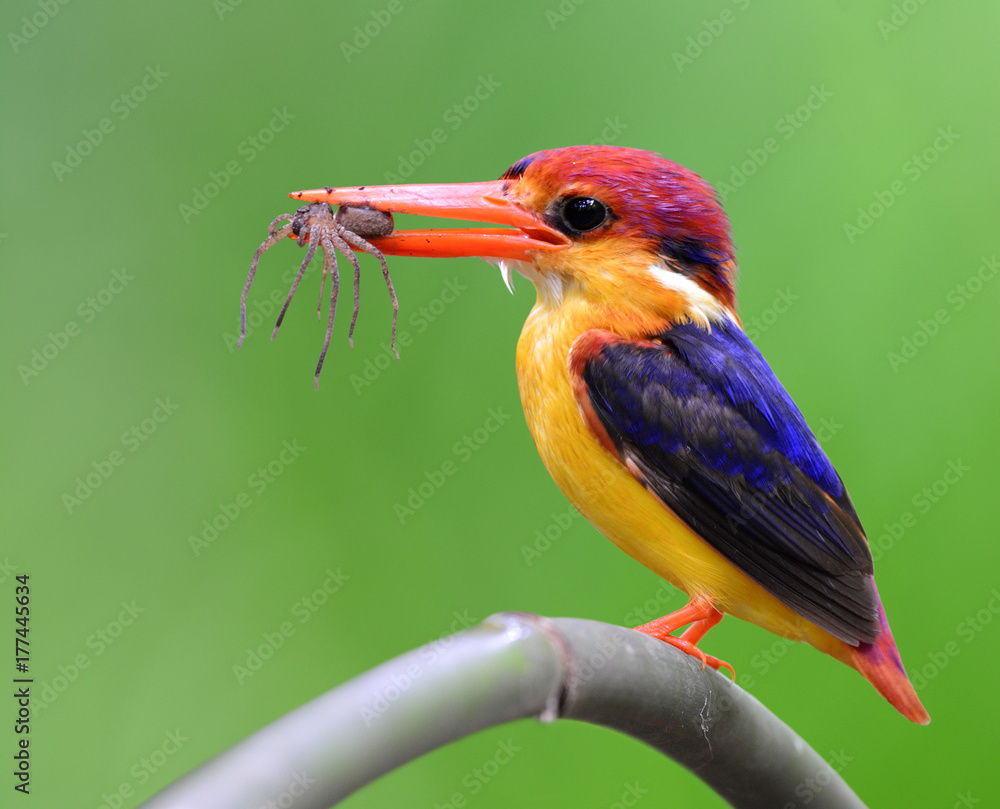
(479, 202)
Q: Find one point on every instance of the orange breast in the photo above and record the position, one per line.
(605, 492)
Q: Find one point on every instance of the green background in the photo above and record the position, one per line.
(560, 74)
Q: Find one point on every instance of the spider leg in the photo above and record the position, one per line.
(357, 299)
(361, 244)
(339, 239)
(286, 216)
(265, 245)
(347, 235)
(322, 282)
(357, 296)
(313, 244)
(329, 257)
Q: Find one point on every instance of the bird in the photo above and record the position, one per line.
(650, 407)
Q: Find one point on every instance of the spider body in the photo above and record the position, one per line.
(366, 222)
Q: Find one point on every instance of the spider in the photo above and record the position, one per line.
(346, 232)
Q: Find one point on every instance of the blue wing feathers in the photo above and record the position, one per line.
(719, 440)
(731, 366)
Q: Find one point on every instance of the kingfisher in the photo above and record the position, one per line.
(650, 407)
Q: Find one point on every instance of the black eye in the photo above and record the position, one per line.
(584, 213)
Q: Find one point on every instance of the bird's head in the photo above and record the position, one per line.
(609, 227)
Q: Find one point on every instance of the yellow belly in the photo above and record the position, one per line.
(605, 492)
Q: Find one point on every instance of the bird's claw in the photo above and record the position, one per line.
(690, 648)
(702, 615)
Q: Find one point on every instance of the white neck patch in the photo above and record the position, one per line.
(703, 307)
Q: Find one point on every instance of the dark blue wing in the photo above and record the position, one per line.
(702, 421)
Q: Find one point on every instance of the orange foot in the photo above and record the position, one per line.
(702, 615)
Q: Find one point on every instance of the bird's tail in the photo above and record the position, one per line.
(881, 665)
